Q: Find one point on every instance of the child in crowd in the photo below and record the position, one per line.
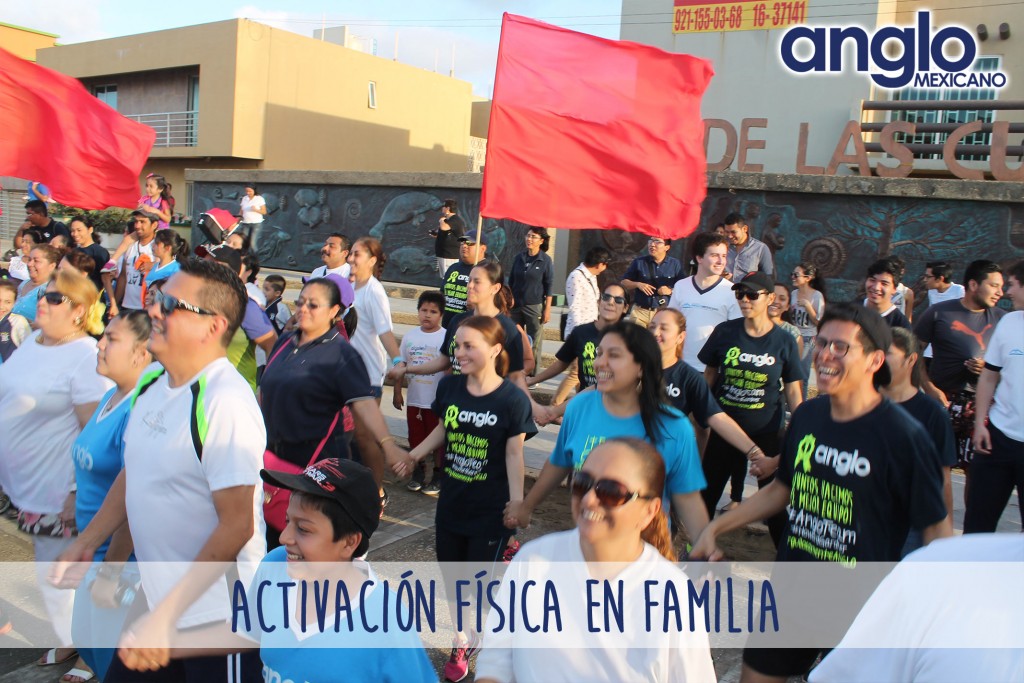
(13, 327)
(276, 309)
(418, 347)
(155, 201)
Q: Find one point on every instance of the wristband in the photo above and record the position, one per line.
(396, 360)
(380, 443)
(108, 571)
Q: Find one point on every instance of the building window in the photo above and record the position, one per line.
(957, 117)
(106, 94)
(372, 95)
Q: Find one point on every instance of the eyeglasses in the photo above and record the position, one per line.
(55, 298)
(169, 304)
(611, 297)
(299, 303)
(610, 493)
(742, 294)
(837, 348)
(533, 236)
(656, 242)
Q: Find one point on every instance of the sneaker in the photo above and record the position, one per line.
(457, 666)
(510, 551)
(414, 485)
(432, 489)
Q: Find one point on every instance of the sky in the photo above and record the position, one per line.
(428, 33)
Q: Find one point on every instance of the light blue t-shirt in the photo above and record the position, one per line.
(396, 656)
(587, 424)
(32, 195)
(98, 454)
(26, 305)
(163, 273)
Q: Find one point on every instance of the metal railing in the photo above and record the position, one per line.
(173, 128)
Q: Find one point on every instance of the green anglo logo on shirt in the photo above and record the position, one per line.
(453, 277)
(804, 451)
(732, 356)
(451, 417)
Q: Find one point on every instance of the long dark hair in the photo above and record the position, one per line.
(651, 391)
(906, 342)
(817, 281)
(496, 275)
(179, 246)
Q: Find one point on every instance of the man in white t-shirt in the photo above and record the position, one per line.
(190, 488)
(137, 262)
(335, 257)
(706, 298)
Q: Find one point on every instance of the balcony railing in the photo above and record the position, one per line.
(173, 128)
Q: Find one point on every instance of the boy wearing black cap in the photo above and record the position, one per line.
(865, 458)
(333, 511)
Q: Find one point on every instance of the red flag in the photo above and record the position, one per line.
(587, 132)
(53, 131)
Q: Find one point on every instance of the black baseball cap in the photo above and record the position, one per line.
(347, 483)
(473, 237)
(756, 282)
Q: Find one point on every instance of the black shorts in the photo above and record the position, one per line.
(781, 661)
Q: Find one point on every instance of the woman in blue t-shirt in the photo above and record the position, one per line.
(98, 454)
(484, 421)
(630, 401)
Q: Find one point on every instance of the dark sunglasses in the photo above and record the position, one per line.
(742, 294)
(611, 297)
(610, 493)
(169, 304)
(55, 298)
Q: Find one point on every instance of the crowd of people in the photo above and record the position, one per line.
(171, 408)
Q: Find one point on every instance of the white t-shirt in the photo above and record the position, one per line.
(801, 318)
(419, 347)
(169, 485)
(899, 299)
(704, 311)
(374, 320)
(17, 268)
(344, 270)
(633, 655)
(39, 388)
(250, 209)
(133, 277)
(955, 291)
(1006, 352)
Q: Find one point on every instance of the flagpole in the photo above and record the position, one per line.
(479, 236)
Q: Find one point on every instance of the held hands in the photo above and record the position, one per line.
(517, 515)
(397, 373)
(763, 467)
(146, 646)
(705, 548)
(542, 414)
(402, 462)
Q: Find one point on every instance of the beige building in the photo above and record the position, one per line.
(239, 94)
(751, 83)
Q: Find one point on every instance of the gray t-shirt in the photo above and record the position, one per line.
(956, 334)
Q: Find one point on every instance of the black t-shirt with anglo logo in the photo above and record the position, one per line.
(581, 345)
(513, 341)
(690, 393)
(749, 370)
(477, 428)
(956, 334)
(857, 487)
(456, 279)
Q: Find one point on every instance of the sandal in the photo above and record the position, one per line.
(50, 658)
(83, 675)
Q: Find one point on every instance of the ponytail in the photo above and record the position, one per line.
(501, 362)
(350, 319)
(656, 533)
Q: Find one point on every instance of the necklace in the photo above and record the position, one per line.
(63, 340)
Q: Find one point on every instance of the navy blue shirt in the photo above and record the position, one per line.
(664, 274)
(303, 389)
(530, 278)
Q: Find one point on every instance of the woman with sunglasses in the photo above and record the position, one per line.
(48, 391)
(98, 455)
(311, 375)
(747, 360)
(616, 509)
(630, 401)
(808, 305)
(42, 262)
(581, 344)
(485, 420)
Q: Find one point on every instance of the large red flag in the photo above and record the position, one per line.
(53, 131)
(587, 132)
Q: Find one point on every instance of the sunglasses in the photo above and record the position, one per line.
(796, 275)
(611, 297)
(742, 294)
(169, 304)
(55, 298)
(610, 493)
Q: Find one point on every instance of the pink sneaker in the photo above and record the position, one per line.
(457, 667)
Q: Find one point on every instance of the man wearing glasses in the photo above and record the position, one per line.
(190, 488)
(652, 277)
(854, 472)
(747, 254)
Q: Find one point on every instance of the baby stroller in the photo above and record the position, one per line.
(216, 224)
